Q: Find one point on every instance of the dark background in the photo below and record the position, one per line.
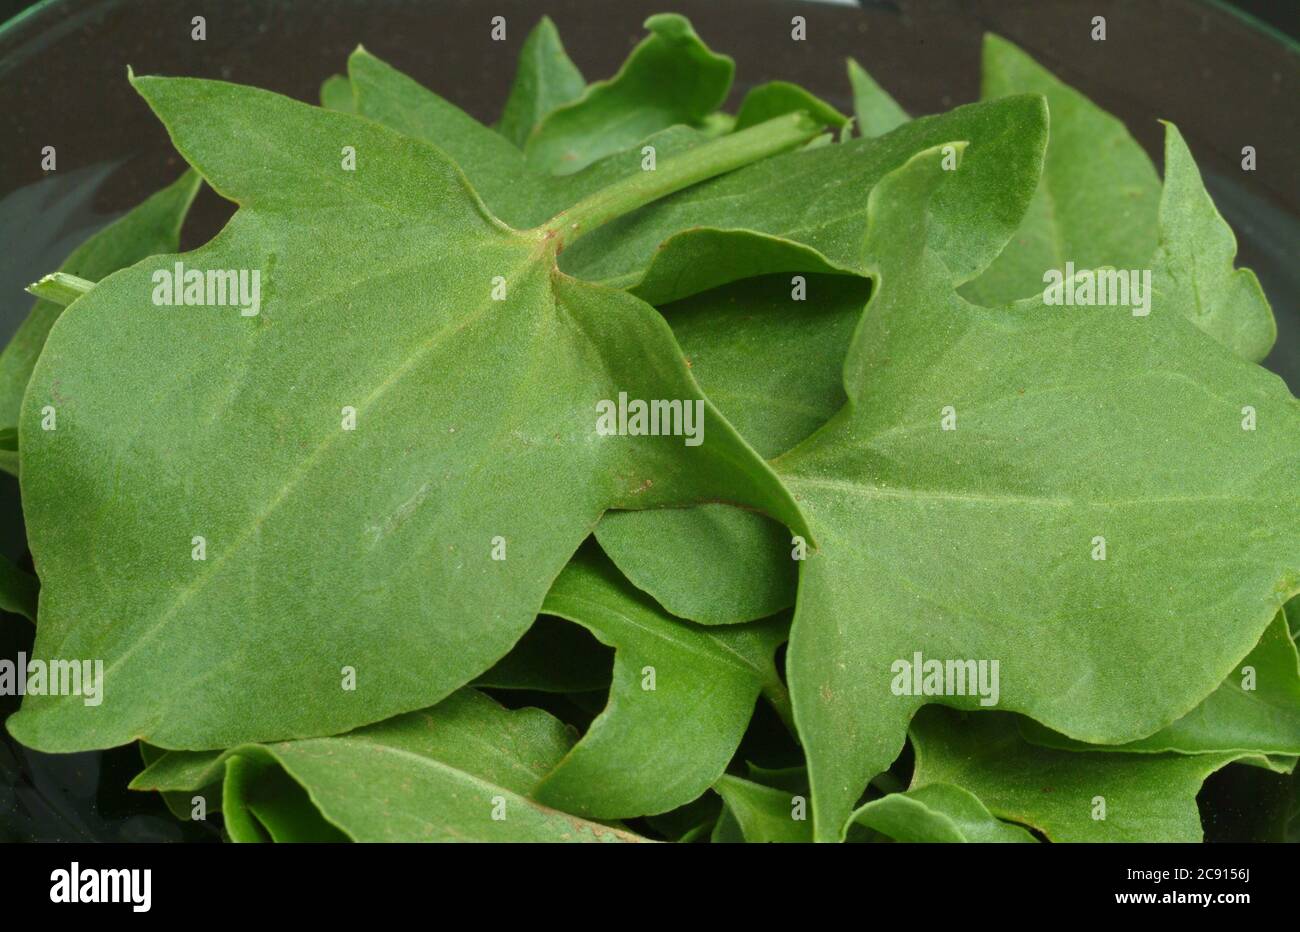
(1225, 78)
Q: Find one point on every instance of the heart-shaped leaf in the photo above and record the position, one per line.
(934, 550)
(408, 386)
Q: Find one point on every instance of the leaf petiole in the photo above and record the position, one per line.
(60, 287)
(707, 161)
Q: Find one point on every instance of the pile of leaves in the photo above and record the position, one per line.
(361, 562)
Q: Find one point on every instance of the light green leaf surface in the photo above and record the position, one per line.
(773, 366)
(152, 228)
(1096, 203)
(776, 98)
(434, 775)
(377, 296)
(1147, 798)
(937, 812)
(1256, 709)
(805, 211)
(977, 543)
(671, 77)
(761, 813)
(18, 590)
(545, 80)
(654, 749)
(1194, 267)
(877, 113)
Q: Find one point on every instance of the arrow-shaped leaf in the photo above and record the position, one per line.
(971, 503)
(415, 384)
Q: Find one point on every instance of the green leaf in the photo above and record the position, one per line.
(1097, 201)
(776, 369)
(181, 802)
(1195, 261)
(434, 775)
(545, 80)
(681, 699)
(1256, 709)
(805, 211)
(1099, 204)
(377, 302)
(515, 191)
(18, 590)
(336, 94)
(877, 113)
(979, 542)
(762, 813)
(772, 365)
(1146, 797)
(671, 77)
(937, 812)
(240, 822)
(753, 387)
(780, 97)
(712, 564)
(261, 802)
(152, 228)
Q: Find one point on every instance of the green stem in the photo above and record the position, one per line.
(60, 287)
(699, 164)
